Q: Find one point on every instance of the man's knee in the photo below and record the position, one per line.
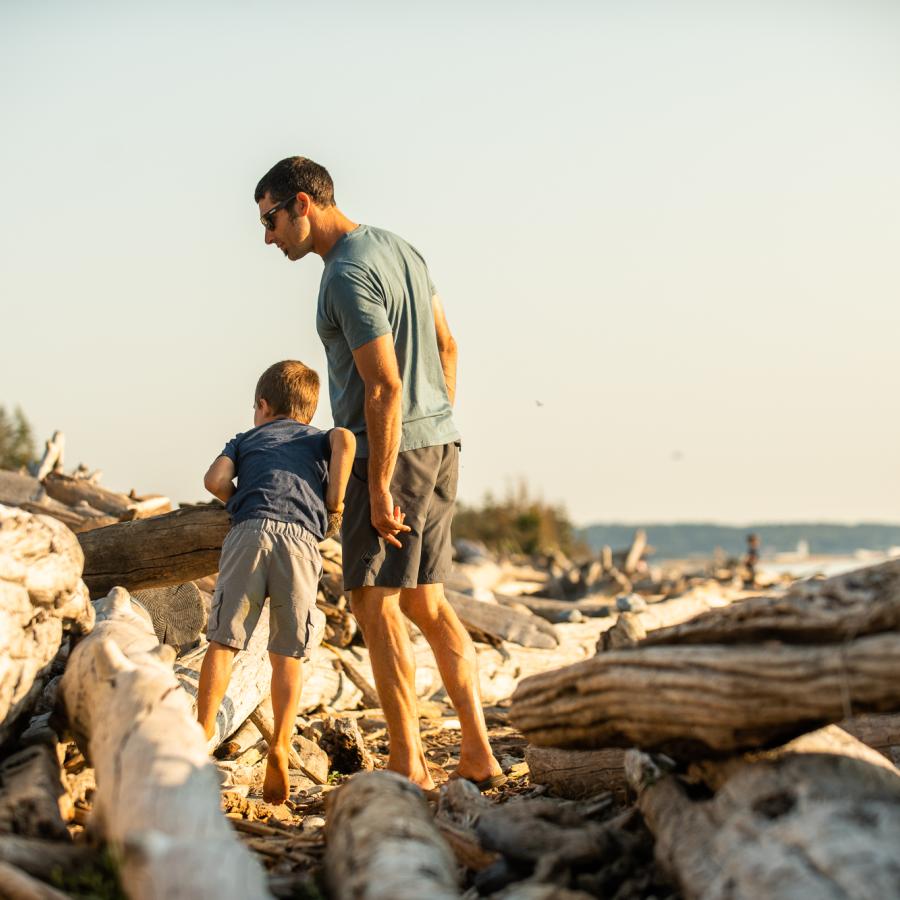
(372, 604)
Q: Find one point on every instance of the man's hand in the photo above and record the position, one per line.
(387, 519)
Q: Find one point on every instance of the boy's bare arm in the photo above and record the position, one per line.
(447, 349)
(343, 449)
(219, 479)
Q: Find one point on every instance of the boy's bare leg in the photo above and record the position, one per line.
(377, 610)
(457, 662)
(287, 684)
(215, 674)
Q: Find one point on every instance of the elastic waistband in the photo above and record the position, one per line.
(272, 526)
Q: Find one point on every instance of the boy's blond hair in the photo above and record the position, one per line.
(291, 389)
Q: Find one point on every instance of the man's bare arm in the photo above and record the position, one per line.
(376, 363)
(219, 478)
(447, 349)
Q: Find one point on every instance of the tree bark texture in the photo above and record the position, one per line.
(41, 597)
(169, 549)
(382, 843)
(807, 822)
(701, 699)
(578, 774)
(157, 799)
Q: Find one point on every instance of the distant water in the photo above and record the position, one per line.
(827, 566)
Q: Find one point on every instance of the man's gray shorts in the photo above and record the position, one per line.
(424, 487)
(279, 560)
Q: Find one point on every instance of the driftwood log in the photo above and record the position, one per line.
(713, 685)
(866, 601)
(503, 623)
(73, 491)
(169, 549)
(34, 801)
(157, 799)
(251, 677)
(821, 819)
(382, 843)
(578, 774)
(41, 596)
(701, 699)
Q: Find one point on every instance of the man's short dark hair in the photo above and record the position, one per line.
(295, 174)
(291, 389)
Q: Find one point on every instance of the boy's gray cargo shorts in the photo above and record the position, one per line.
(424, 487)
(279, 560)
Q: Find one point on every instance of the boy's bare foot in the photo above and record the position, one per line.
(277, 784)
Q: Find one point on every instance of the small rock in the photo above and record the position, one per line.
(630, 603)
(313, 823)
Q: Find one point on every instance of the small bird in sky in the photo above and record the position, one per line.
(538, 403)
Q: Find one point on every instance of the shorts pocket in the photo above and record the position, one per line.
(215, 611)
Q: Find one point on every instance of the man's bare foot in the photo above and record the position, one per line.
(420, 778)
(477, 769)
(277, 783)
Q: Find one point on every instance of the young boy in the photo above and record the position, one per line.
(291, 479)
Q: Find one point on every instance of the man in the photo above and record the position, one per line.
(392, 381)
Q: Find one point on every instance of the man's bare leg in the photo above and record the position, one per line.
(215, 673)
(287, 685)
(454, 653)
(377, 610)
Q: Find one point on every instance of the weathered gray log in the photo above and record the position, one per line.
(557, 611)
(41, 597)
(370, 698)
(380, 822)
(177, 612)
(169, 549)
(157, 799)
(803, 823)
(631, 628)
(34, 801)
(503, 623)
(577, 774)
(40, 857)
(865, 601)
(73, 491)
(702, 699)
(17, 885)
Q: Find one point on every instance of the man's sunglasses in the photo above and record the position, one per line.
(268, 217)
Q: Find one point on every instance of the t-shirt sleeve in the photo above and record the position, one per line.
(231, 449)
(357, 306)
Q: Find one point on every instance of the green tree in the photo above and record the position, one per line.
(16, 440)
(519, 523)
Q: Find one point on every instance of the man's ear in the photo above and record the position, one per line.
(304, 201)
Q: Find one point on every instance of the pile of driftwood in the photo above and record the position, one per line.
(102, 641)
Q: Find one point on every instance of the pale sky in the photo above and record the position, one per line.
(666, 235)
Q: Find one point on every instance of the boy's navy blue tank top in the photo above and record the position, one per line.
(282, 470)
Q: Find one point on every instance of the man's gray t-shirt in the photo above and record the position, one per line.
(374, 283)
